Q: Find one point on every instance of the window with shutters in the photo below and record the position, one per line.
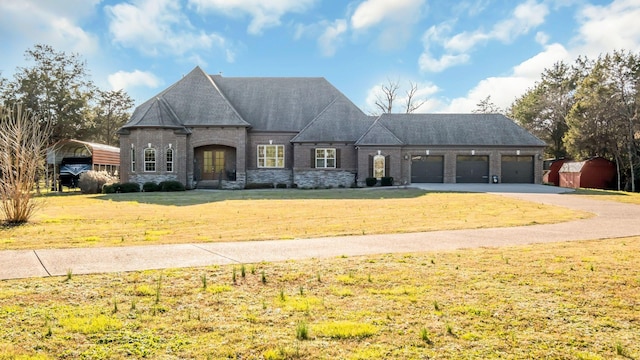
(325, 158)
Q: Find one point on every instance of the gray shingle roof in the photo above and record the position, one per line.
(194, 101)
(378, 134)
(454, 130)
(277, 104)
(341, 121)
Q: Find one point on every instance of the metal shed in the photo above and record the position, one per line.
(67, 159)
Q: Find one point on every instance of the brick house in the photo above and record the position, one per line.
(211, 131)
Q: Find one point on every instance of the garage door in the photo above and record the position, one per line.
(427, 169)
(517, 169)
(472, 169)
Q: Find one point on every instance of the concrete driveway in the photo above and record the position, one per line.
(612, 220)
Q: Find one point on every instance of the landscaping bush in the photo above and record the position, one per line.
(110, 188)
(386, 181)
(91, 182)
(120, 188)
(150, 186)
(171, 185)
(371, 181)
(128, 187)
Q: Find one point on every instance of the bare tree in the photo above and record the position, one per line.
(388, 94)
(411, 103)
(23, 141)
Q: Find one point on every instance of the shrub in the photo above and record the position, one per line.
(171, 185)
(386, 181)
(91, 182)
(150, 186)
(128, 187)
(371, 181)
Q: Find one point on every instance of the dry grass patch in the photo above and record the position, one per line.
(576, 300)
(196, 216)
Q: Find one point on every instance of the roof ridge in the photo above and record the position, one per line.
(217, 88)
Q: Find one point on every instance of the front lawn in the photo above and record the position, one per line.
(211, 216)
(576, 300)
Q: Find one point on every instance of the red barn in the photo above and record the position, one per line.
(595, 173)
(552, 174)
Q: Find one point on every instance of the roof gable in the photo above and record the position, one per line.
(379, 134)
(340, 121)
(205, 105)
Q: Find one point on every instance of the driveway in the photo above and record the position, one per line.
(612, 220)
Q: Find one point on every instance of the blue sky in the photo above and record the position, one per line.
(457, 52)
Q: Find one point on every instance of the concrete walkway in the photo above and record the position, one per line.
(612, 220)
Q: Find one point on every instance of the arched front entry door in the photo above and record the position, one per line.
(215, 162)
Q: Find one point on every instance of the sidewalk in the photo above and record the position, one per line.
(612, 220)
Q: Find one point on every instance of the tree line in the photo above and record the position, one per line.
(586, 109)
(57, 86)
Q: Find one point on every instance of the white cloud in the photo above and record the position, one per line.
(264, 14)
(525, 17)
(157, 27)
(429, 63)
(331, 38)
(49, 22)
(607, 28)
(504, 89)
(372, 12)
(397, 19)
(127, 80)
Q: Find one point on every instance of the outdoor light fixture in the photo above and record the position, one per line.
(379, 152)
(270, 142)
(427, 152)
(169, 146)
(132, 146)
(406, 156)
(517, 152)
(473, 152)
(148, 144)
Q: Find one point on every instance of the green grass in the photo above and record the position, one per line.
(213, 216)
(544, 303)
(609, 195)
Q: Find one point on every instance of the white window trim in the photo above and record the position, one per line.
(172, 162)
(133, 159)
(277, 146)
(325, 158)
(154, 162)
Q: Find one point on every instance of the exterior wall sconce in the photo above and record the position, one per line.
(427, 152)
(379, 152)
(270, 142)
(473, 152)
(517, 152)
(406, 156)
(539, 156)
(132, 146)
(149, 145)
(169, 146)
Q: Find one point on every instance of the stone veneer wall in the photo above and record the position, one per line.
(150, 177)
(269, 176)
(312, 179)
